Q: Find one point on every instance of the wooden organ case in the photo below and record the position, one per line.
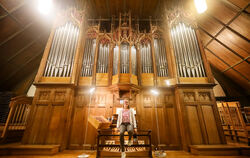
(125, 61)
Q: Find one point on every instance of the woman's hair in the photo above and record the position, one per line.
(126, 100)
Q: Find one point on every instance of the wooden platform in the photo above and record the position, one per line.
(19, 149)
(220, 150)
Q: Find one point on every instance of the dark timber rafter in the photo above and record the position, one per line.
(214, 38)
(236, 16)
(13, 17)
(16, 33)
(12, 11)
(237, 63)
(230, 67)
(21, 50)
(21, 67)
(228, 27)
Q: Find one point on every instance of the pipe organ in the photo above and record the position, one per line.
(187, 51)
(88, 57)
(146, 58)
(125, 62)
(62, 52)
(103, 59)
(160, 54)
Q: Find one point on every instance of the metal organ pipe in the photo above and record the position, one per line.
(115, 60)
(60, 59)
(146, 58)
(52, 50)
(161, 58)
(60, 52)
(187, 52)
(133, 60)
(88, 57)
(76, 34)
(198, 52)
(124, 58)
(102, 63)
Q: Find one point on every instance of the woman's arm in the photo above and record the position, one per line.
(118, 120)
(133, 119)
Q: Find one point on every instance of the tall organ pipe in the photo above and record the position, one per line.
(187, 52)
(146, 58)
(115, 60)
(197, 50)
(88, 58)
(61, 55)
(124, 58)
(161, 58)
(133, 60)
(102, 63)
(76, 34)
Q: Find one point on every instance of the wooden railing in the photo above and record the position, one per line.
(236, 128)
(18, 114)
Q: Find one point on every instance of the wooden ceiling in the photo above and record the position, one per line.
(224, 30)
(225, 33)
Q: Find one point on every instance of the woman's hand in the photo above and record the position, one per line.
(135, 129)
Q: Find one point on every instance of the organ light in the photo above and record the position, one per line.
(45, 6)
(91, 90)
(201, 6)
(167, 82)
(154, 92)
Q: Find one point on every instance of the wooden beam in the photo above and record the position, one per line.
(20, 51)
(13, 17)
(236, 16)
(20, 67)
(141, 9)
(124, 6)
(226, 64)
(159, 3)
(228, 27)
(237, 63)
(108, 8)
(230, 5)
(17, 33)
(214, 38)
(13, 10)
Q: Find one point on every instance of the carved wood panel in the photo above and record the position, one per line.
(160, 118)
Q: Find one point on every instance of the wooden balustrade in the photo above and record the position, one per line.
(18, 114)
(236, 128)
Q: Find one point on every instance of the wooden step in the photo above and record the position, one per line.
(220, 150)
(20, 149)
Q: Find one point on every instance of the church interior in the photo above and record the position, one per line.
(69, 66)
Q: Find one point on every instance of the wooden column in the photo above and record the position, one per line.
(119, 51)
(170, 53)
(79, 54)
(153, 54)
(110, 67)
(95, 58)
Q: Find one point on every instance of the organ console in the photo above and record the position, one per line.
(124, 57)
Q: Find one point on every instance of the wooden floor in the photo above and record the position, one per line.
(75, 153)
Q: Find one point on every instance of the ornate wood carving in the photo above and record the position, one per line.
(189, 96)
